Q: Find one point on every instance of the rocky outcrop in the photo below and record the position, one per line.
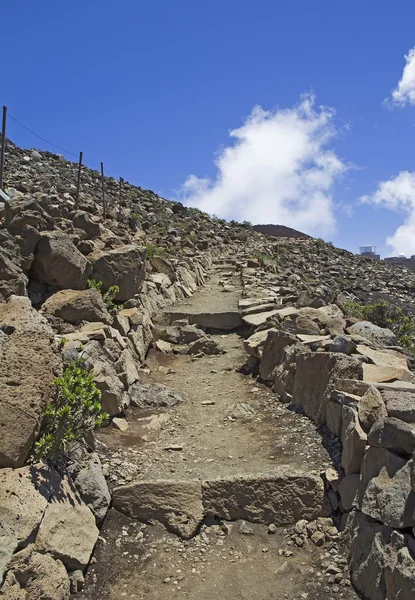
(362, 390)
(44, 528)
(123, 267)
(29, 363)
(59, 264)
(340, 371)
(76, 306)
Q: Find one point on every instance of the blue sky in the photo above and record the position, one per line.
(154, 90)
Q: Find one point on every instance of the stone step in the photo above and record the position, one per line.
(227, 320)
(282, 498)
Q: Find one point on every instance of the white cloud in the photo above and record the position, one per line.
(405, 90)
(398, 194)
(278, 169)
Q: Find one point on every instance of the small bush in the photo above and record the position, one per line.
(108, 296)
(74, 410)
(152, 250)
(319, 242)
(383, 315)
(247, 224)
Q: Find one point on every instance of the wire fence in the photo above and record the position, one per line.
(81, 162)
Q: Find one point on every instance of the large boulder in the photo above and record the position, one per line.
(124, 267)
(103, 360)
(371, 408)
(29, 362)
(35, 576)
(76, 306)
(400, 404)
(68, 531)
(273, 351)
(59, 264)
(379, 335)
(314, 379)
(393, 434)
(24, 496)
(162, 265)
(385, 491)
(368, 541)
(82, 220)
(329, 318)
(21, 211)
(12, 278)
(382, 561)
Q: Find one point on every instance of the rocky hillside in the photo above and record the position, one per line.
(280, 231)
(80, 293)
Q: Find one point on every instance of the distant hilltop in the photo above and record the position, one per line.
(280, 231)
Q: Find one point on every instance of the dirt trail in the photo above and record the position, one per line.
(227, 425)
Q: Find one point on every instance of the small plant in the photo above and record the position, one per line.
(319, 242)
(383, 315)
(74, 410)
(152, 250)
(109, 296)
(247, 224)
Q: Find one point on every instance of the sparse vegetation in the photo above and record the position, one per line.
(108, 296)
(74, 410)
(384, 315)
(152, 250)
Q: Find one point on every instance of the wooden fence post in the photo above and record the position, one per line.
(78, 183)
(3, 146)
(120, 194)
(104, 201)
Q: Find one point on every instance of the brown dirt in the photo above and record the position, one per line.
(146, 562)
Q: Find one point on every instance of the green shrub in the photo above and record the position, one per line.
(319, 242)
(384, 315)
(108, 297)
(247, 224)
(152, 250)
(74, 410)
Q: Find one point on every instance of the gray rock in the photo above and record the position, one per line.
(314, 380)
(381, 336)
(371, 408)
(182, 334)
(124, 267)
(58, 263)
(76, 306)
(93, 489)
(175, 504)
(273, 352)
(82, 220)
(400, 404)
(153, 396)
(381, 561)
(35, 575)
(68, 531)
(368, 554)
(77, 581)
(385, 492)
(205, 345)
(282, 498)
(342, 344)
(29, 363)
(347, 489)
(353, 440)
(394, 434)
